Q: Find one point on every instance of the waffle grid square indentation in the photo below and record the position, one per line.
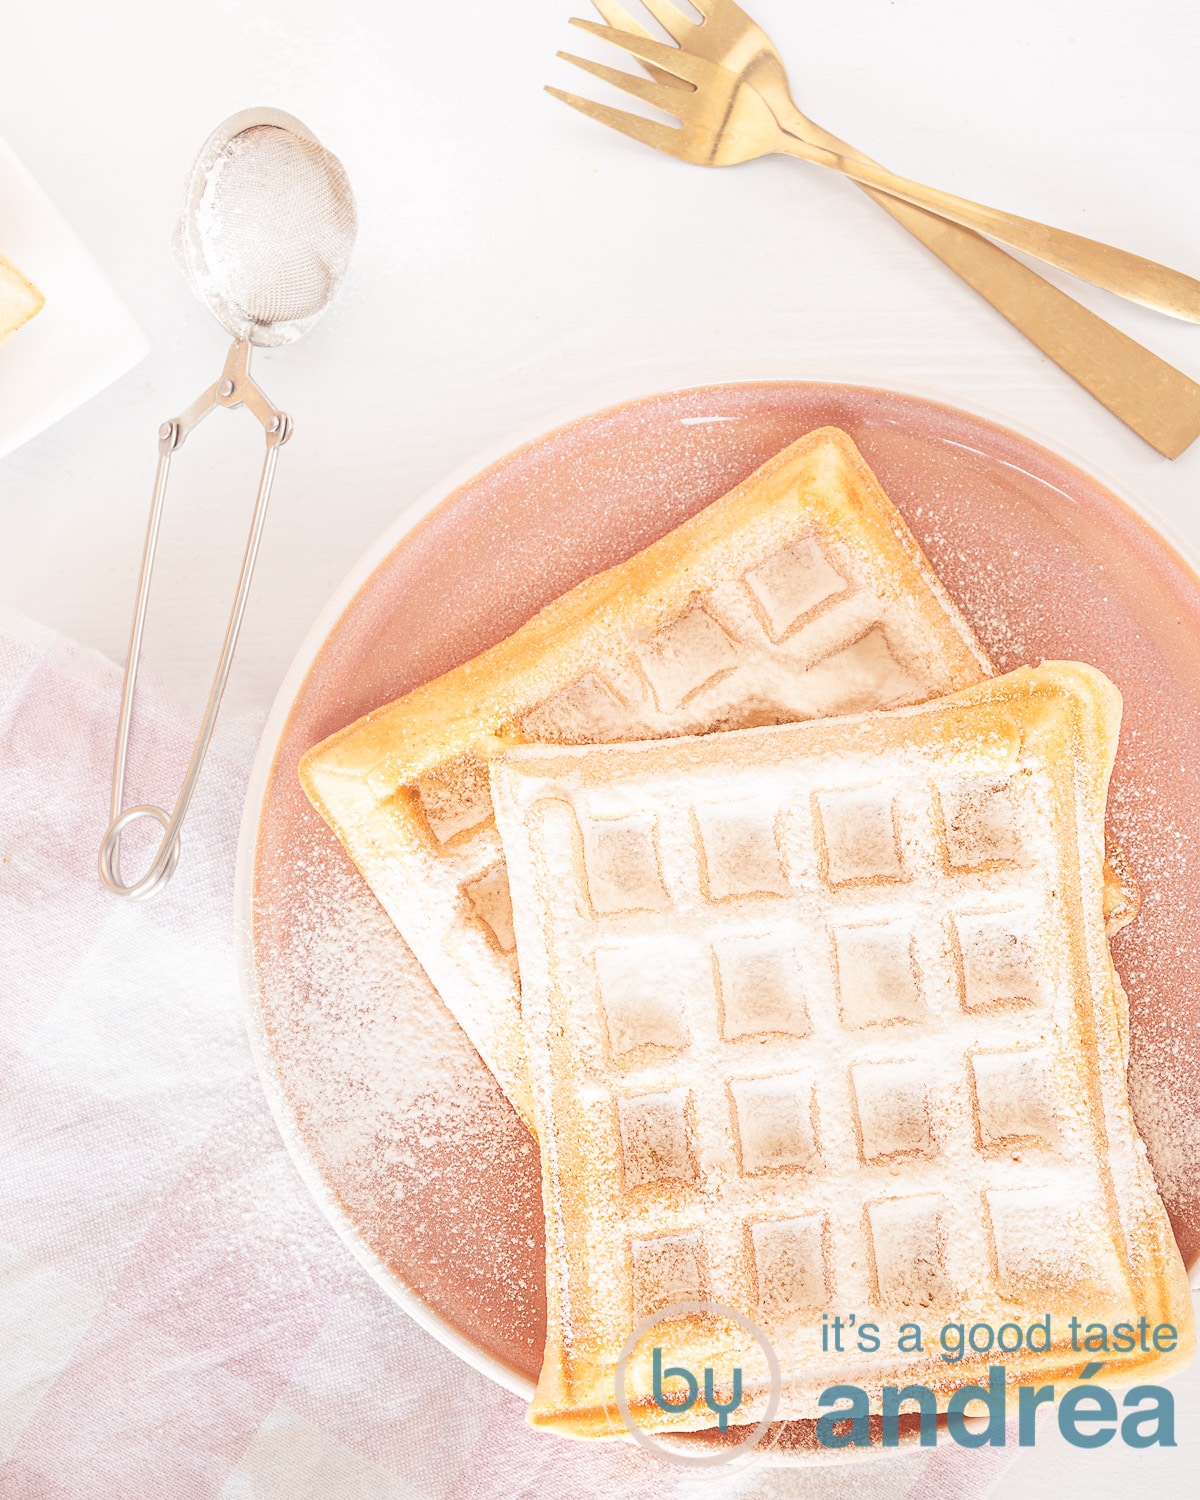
(877, 981)
(790, 584)
(981, 821)
(585, 712)
(491, 904)
(789, 1265)
(999, 959)
(894, 1109)
(740, 851)
(859, 830)
(620, 857)
(1014, 1097)
(774, 1119)
(760, 985)
(668, 1268)
(654, 1138)
(685, 657)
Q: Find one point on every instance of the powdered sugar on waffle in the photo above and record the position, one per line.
(818, 1022)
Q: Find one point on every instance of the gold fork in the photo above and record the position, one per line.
(724, 122)
(732, 113)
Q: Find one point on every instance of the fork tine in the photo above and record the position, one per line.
(619, 19)
(670, 18)
(661, 95)
(649, 132)
(615, 15)
(682, 64)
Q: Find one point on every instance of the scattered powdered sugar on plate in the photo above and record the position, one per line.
(1163, 1086)
(397, 1113)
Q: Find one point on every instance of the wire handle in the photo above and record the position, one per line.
(234, 388)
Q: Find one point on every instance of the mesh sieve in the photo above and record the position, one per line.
(265, 236)
(267, 227)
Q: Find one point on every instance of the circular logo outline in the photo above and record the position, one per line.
(698, 1461)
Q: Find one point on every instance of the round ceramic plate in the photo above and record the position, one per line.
(395, 1123)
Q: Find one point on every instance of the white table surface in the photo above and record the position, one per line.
(516, 262)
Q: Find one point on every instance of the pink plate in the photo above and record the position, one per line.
(394, 1122)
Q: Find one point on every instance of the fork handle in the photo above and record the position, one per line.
(1154, 399)
(1130, 276)
(1157, 401)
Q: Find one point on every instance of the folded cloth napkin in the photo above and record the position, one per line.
(177, 1319)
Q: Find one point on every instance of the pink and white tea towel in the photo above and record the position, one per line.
(177, 1320)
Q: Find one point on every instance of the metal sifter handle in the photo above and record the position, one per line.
(234, 388)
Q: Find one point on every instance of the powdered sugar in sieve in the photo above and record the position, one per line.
(267, 227)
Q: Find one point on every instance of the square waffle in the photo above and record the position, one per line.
(822, 1019)
(799, 594)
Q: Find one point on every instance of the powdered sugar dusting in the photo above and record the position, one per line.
(401, 1119)
(1041, 574)
(395, 1111)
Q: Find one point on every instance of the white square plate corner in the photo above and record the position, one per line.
(83, 339)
